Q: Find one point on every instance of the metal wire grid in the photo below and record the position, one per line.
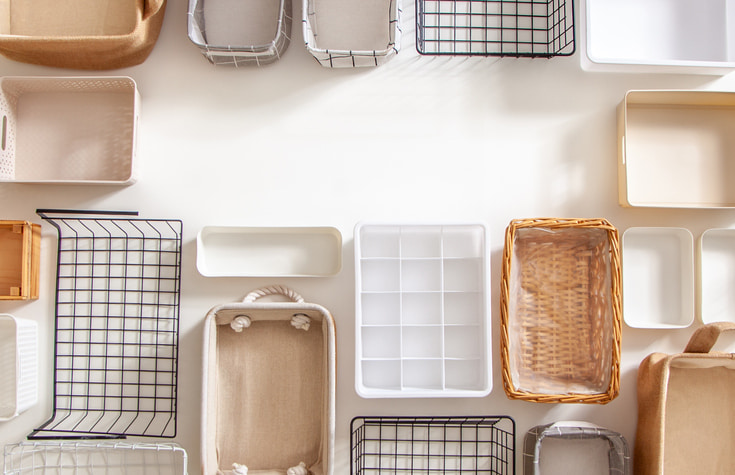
(79, 458)
(446, 445)
(534, 28)
(117, 311)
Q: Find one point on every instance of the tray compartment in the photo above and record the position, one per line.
(535, 28)
(68, 130)
(20, 254)
(658, 277)
(422, 310)
(19, 371)
(717, 275)
(352, 33)
(234, 33)
(560, 310)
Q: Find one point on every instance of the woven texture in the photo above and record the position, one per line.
(561, 310)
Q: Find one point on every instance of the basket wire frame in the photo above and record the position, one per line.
(86, 457)
(424, 445)
(117, 317)
(519, 28)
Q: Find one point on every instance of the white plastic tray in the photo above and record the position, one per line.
(18, 365)
(717, 275)
(658, 277)
(667, 36)
(421, 311)
(233, 251)
(68, 130)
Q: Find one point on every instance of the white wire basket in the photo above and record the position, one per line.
(85, 457)
(352, 33)
(19, 367)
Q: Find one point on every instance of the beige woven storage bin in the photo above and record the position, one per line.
(269, 386)
(561, 310)
(80, 34)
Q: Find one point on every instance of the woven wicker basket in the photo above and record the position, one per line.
(560, 310)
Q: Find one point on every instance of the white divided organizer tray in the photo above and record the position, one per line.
(68, 130)
(674, 149)
(668, 36)
(658, 277)
(422, 297)
(717, 275)
(18, 365)
(238, 251)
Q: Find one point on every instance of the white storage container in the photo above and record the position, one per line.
(352, 33)
(658, 277)
(237, 251)
(18, 365)
(68, 129)
(717, 275)
(667, 36)
(422, 326)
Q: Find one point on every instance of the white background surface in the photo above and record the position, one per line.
(417, 139)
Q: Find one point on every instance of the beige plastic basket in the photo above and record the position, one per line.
(561, 310)
(68, 129)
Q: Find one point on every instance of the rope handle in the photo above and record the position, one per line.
(273, 290)
(704, 338)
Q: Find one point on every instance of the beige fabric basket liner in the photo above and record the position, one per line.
(268, 399)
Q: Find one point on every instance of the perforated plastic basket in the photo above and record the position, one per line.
(18, 365)
(68, 129)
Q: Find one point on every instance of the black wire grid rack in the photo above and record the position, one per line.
(117, 318)
(534, 28)
(424, 445)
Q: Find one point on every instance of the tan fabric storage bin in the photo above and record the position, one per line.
(269, 386)
(80, 34)
(685, 409)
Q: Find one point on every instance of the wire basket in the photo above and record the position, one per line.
(560, 310)
(448, 445)
(533, 28)
(84, 457)
(240, 33)
(117, 322)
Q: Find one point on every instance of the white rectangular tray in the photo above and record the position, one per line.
(666, 36)
(422, 325)
(717, 275)
(673, 149)
(244, 251)
(68, 129)
(658, 277)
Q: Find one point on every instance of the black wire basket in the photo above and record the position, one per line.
(421, 445)
(529, 28)
(117, 324)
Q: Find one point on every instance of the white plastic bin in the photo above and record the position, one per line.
(68, 129)
(717, 275)
(658, 277)
(18, 365)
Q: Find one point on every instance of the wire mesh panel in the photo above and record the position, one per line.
(81, 458)
(447, 445)
(536, 28)
(117, 312)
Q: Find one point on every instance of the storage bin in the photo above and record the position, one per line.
(118, 286)
(352, 33)
(717, 275)
(560, 310)
(236, 33)
(68, 130)
(658, 277)
(422, 320)
(91, 458)
(685, 408)
(531, 28)
(420, 445)
(80, 34)
(20, 254)
(673, 149)
(575, 448)
(19, 369)
(269, 385)
(269, 251)
(665, 36)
